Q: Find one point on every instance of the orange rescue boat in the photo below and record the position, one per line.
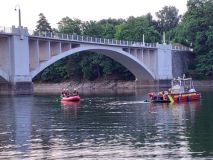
(182, 90)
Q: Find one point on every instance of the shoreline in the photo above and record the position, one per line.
(107, 85)
(83, 86)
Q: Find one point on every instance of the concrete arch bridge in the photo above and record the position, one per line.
(24, 54)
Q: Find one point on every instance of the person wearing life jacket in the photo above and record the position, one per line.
(75, 92)
(161, 93)
(63, 93)
(165, 95)
(152, 95)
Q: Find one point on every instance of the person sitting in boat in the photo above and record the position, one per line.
(161, 93)
(65, 93)
(75, 92)
(165, 95)
(152, 95)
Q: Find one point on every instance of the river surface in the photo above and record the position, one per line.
(105, 126)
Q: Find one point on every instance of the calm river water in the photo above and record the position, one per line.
(105, 126)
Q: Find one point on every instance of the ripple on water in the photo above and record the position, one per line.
(103, 127)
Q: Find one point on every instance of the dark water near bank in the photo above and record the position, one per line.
(105, 126)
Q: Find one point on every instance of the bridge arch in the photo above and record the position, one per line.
(136, 67)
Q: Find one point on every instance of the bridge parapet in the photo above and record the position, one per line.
(94, 40)
(5, 29)
(88, 39)
(179, 47)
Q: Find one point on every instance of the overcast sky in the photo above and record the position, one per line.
(55, 10)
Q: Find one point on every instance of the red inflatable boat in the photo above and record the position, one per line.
(71, 98)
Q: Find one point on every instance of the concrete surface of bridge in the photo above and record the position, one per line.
(24, 54)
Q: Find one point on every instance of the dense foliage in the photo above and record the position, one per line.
(196, 31)
(193, 29)
(168, 18)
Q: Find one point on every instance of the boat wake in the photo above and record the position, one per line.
(129, 102)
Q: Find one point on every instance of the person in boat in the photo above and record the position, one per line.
(162, 95)
(65, 93)
(75, 92)
(152, 95)
(165, 95)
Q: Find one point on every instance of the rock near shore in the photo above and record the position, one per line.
(93, 85)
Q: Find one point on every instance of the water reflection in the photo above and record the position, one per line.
(22, 121)
(103, 127)
(15, 126)
(171, 122)
(71, 108)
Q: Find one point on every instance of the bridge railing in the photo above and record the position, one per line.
(95, 40)
(181, 47)
(88, 39)
(5, 29)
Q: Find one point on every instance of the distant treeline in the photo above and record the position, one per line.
(193, 29)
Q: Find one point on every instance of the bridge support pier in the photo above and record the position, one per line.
(19, 78)
(18, 88)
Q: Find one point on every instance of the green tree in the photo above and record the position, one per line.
(70, 26)
(55, 73)
(92, 28)
(73, 67)
(196, 30)
(168, 18)
(109, 27)
(113, 22)
(134, 29)
(42, 24)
